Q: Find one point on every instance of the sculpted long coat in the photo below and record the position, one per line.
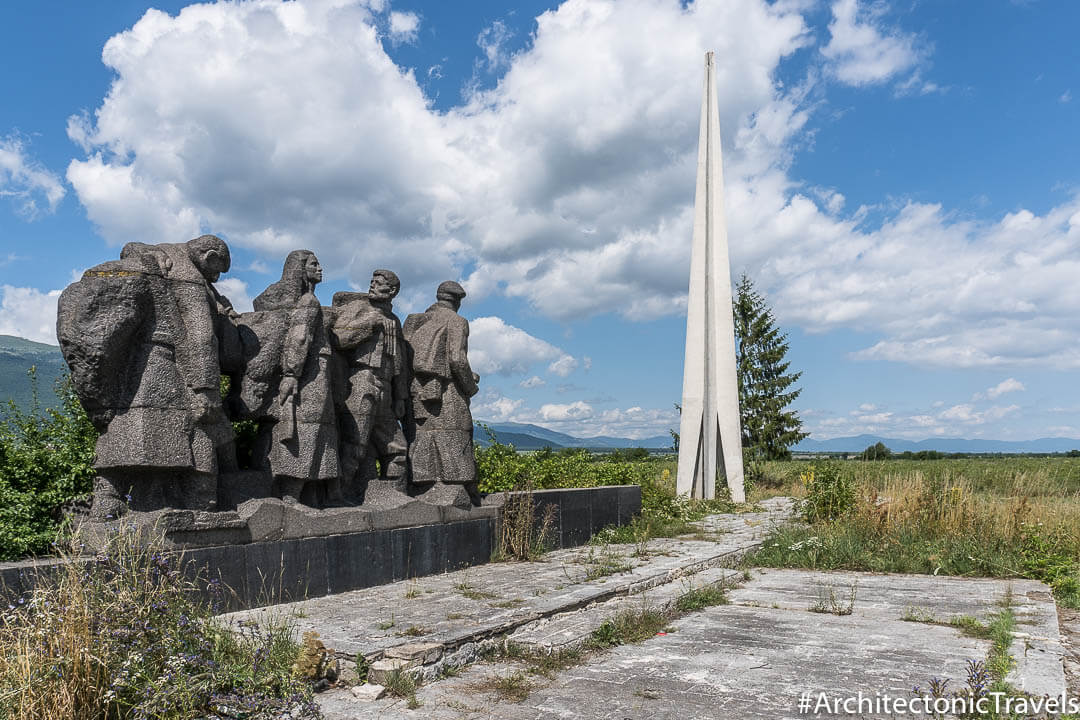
(122, 333)
(442, 383)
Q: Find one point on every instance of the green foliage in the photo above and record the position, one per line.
(1046, 556)
(246, 432)
(920, 455)
(628, 454)
(700, 598)
(769, 429)
(629, 626)
(877, 451)
(830, 493)
(501, 468)
(46, 460)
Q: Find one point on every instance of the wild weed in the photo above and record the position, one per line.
(125, 635)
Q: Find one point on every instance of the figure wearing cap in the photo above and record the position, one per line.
(441, 446)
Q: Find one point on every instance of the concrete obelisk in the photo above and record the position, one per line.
(709, 434)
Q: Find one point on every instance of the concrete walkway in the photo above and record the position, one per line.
(756, 657)
(460, 608)
(785, 633)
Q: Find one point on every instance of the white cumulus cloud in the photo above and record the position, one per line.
(555, 412)
(563, 366)
(564, 184)
(568, 184)
(501, 349)
(28, 313)
(1005, 386)
(236, 290)
(491, 406)
(861, 50)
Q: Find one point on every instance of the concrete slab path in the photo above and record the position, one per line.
(756, 657)
(753, 658)
(483, 601)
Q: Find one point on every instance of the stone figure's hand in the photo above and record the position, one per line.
(203, 408)
(287, 389)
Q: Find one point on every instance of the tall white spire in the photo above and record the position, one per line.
(709, 434)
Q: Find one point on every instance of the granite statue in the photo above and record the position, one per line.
(147, 338)
(352, 411)
(374, 393)
(441, 428)
(286, 386)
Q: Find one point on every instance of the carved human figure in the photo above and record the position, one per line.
(289, 382)
(368, 336)
(146, 338)
(441, 446)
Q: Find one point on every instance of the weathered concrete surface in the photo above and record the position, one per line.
(753, 660)
(886, 598)
(572, 629)
(1069, 626)
(467, 606)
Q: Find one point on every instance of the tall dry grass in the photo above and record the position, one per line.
(127, 634)
(991, 518)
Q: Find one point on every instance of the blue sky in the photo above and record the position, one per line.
(903, 184)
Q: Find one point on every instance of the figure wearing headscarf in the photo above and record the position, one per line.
(287, 385)
(441, 446)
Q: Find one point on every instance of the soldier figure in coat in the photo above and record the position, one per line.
(441, 445)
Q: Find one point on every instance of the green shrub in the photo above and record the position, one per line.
(46, 461)
(830, 493)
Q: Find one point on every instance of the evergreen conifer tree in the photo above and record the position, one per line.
(765, 385)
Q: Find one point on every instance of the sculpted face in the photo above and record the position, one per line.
(211, 264)
(382, 288)
(313, 270)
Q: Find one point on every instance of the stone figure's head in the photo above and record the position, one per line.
(302, 271)
(384, 286)
(312, 269)
(450, 292)
(300, 275)
(210, 255)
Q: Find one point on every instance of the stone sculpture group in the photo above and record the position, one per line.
(341, 405)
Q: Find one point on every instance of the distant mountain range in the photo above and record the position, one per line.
(533, 437)
(17, 356)
(524, 436)
(858, 443)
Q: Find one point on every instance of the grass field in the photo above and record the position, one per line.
(995, 517)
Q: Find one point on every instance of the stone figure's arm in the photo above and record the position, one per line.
(298, 340)
(458, 349)
(197, 348)
(226, 327)
(152, 257)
